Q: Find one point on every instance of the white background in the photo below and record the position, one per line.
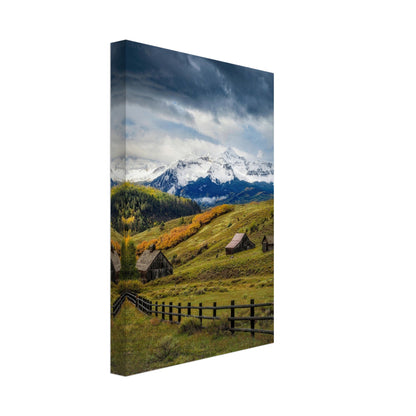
(345, 105)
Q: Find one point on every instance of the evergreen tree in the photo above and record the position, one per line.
(128, 260)
(136, 207)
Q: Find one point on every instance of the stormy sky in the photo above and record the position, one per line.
(169, 104)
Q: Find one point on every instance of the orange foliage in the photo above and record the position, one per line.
(116, 246)
(144, 245)
(181, 233)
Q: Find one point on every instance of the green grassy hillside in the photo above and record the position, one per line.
(201, 258)
(203, 273)
(140, 343)
(256, 219)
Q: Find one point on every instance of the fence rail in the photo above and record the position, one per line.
(165, 311)
(125, 294)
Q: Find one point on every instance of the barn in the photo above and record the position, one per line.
(115, 265)
(239, 242)
(153, 264)
(267, 243)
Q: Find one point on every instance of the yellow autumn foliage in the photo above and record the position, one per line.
(181, 233)
(116, 246)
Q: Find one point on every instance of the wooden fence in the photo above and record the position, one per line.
(125, 294)
(166, 311)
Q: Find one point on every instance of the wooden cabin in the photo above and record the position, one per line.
(115, 265)
(267, 243)
(239, 242)
(153, 264)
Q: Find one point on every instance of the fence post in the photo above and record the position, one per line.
(156, 309)
(170, 311)
(214, 311)
(200, 312)
(179, 312)
(150, 307)
(232, 316)
(189, 308)
(163, 311)
(252, 321)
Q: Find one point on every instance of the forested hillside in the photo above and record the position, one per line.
(136, 207)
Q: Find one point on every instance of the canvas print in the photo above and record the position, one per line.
(192, 213)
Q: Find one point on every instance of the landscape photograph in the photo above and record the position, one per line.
(192, 208)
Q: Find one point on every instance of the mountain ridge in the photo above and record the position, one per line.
(212, 179)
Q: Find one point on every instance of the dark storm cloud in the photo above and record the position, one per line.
(183, 131)
(180, 103)
(159, 75)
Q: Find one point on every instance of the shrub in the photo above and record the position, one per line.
(134, 285)
(175, 259)
(218, 326)
(167, 349)
(154, 321)
(253, 227)
(190, 326)
(202, 248)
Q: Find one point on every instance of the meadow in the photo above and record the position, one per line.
(203, 273)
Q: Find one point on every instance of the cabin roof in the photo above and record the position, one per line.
(235, 240)
(115, 260)
(147, 258)
(269, 239)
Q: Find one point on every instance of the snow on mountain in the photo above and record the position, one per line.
(210, 179)
(221, 168)
(248, 170)
(135, 169)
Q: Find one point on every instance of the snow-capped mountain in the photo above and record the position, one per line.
(220, 169)
(213, 178)
(135, 169)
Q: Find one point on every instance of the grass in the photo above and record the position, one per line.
(202, 273)
(116, 236)
(155, 231)
(139, 343)
(218, 233)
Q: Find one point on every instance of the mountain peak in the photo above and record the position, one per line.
(223, 168)
(230, 152)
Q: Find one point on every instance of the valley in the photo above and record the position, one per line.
(202, 273)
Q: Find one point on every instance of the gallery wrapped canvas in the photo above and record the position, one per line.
(192, 214)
